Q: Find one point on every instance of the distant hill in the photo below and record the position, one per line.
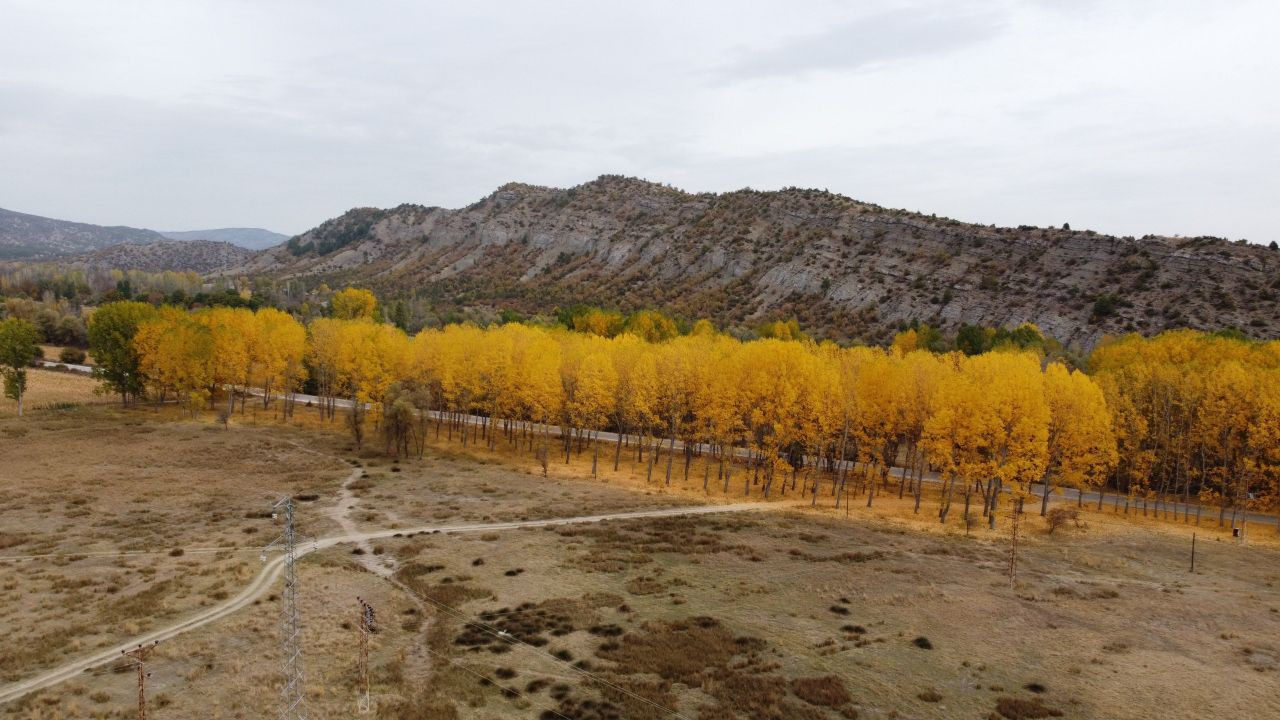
(24, 236)
(200, 256)
(848, 270)
(252, 238)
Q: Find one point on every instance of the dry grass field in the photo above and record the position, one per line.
(781, 613)
(51, 389)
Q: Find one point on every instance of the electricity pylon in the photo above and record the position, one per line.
(139, 656)
(293, 696)
(364, 702)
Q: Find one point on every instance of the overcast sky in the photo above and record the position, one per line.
(1125, 116)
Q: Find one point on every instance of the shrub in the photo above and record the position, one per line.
(1058, 517)
(1020, 709)
(72, 356)
(825, 691)
(1105, 305)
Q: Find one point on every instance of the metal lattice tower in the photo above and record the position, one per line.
(293, 696)
(139, 656)
(364, 702)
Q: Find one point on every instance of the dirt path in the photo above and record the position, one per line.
(266, 578)
(341, 514)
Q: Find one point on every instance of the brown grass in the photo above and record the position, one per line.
(736, 625)
(1024, 709)
(827, 690)
(49, 390)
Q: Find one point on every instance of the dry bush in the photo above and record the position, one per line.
(1023, 709)
(1059, 517)
(678, 651)
(826, 691)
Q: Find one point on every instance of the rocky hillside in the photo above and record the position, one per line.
(847, 270)
(24, 236)
(252, 238)
(201, 256)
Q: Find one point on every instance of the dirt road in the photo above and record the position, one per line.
(266, 579)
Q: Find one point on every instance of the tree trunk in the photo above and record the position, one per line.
(995, 502)
(617, 451)
(595, 453)
(671, 455)
(871, 490)
(944, 498)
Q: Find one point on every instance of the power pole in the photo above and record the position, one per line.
(293, 698)
(367, 623)
(139, 656)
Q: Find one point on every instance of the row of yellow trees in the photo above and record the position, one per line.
(1197, 416)
(1182, 413)
(186, 356)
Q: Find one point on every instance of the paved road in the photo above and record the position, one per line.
(266, 579)
(66, 366)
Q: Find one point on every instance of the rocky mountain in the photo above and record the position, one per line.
(200, 256)
(251, 238)
(848, 270)
(24, 236)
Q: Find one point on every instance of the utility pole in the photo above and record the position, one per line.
(139, 656)
(293, 696)
(367, 626)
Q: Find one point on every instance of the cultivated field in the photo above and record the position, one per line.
(778, 613)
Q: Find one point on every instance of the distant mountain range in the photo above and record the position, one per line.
(24, 236)
(251, 238)
(32, 237)
(847, 270)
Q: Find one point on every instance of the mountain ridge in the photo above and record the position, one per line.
(199, 256)
(848, 270)
(24, 236)
(250, 238)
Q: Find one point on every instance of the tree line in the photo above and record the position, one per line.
(1184, 414)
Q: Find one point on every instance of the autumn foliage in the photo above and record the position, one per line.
(1184, 413)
